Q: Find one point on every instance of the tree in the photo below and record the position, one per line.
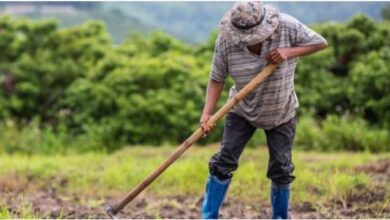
(369, 88)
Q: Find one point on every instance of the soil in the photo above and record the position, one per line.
(47, 202)
(380, 170)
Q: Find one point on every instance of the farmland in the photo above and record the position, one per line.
(334, 185)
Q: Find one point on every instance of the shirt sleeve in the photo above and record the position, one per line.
(304, 36)
(219, 67)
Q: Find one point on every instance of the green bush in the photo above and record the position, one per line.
(33, 138)
(341, 133)
(369, 89)
(72, 89)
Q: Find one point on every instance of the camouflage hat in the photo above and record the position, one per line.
(249, 22)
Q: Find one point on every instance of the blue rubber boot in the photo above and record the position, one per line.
(213, 197)
(279, 201)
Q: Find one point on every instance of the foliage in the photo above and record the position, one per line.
(341, 133)
(370, 86)
(351, 76)
(155, 100)
(31, 138)
(44, 63)
(72, 89)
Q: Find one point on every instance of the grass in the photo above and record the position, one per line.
(328, 175)
(24, 209)
(321, 177)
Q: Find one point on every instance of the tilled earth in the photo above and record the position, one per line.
(361, 202)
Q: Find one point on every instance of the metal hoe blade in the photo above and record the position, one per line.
(110, 212)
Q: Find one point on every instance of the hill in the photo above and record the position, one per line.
(117, 22)
(193, 21)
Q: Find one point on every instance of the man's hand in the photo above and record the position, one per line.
(203, 123)
(278, 55)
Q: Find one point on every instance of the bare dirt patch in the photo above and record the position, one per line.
(379, 170)
(50, 205)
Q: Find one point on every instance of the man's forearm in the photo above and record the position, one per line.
(278, 55)
(305, 50)
(214, 90)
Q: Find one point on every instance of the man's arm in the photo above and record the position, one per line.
(218, 74)
(280, 54)
(214, 90)
(304, 41)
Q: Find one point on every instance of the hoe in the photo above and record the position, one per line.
(113, 210)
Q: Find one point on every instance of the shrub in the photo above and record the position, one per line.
(71, 88)
(341, 133)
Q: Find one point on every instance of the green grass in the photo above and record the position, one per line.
(25, 210)
(4, 213)
(322, 175)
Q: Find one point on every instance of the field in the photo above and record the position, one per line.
(84, 119)
(328, 185)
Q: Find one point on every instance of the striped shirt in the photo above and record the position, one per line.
(274, 101)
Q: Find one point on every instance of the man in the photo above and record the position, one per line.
(252, 35)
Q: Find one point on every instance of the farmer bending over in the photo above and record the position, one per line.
(251, 36)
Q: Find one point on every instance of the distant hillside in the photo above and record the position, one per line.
(193, 21)
(190, 21)
(118, 23)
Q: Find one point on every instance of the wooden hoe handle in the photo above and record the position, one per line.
(112, 211)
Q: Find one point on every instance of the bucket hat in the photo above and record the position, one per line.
(249, 22)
